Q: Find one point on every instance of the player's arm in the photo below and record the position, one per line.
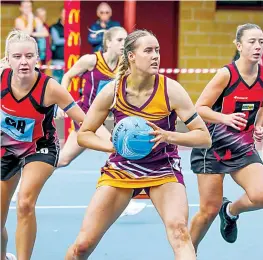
(208, 98)
(20, 25)
(42, 30)
(86, 62)
(94, 118)
(258, 131)
(259, 118)
(56, 94)
(198, 135)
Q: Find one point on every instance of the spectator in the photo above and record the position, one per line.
(58, 42)
(96, 31)
(28, 23)
(43, 42)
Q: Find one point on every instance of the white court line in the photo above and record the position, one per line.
(84, 207)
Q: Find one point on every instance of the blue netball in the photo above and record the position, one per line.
(131, 138)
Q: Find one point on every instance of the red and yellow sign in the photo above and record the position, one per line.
(73, 39)
(72, 50)
(73, 16)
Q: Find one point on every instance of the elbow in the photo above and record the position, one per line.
(65, 79)
(206, 140)
(80, 138)
(202, 139)
(83, 138)
(199, 108)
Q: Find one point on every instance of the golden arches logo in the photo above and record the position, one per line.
(74, 39)
(74, 84)
(71, 60)
(73, 14)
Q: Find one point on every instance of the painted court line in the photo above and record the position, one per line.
(83, 207)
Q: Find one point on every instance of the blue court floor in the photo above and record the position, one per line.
(62, 204)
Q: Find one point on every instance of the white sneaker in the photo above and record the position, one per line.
(133, 208)
(10, 256)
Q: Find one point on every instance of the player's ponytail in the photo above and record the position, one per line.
(122, 68)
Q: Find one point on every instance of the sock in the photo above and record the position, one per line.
(229, 214)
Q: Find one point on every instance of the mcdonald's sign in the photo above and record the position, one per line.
(71, 60)
(73, 38)
(73, 14)
(74, 84)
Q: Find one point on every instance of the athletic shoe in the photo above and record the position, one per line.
(10, 256)
(228, 226)
(133, 208)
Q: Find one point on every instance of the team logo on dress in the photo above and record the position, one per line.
(248, 107)
(19, 128)
(236, 97)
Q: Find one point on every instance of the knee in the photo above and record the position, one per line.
(256, 197)
(84, 246)
(178, 233)
(210, 210)
(63, 162)
(25, 206)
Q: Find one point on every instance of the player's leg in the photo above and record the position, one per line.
(210, 192)
(7, 190)
(171, 203)
(105, 207)
(250, 178)
(70, 150)
(38, 168)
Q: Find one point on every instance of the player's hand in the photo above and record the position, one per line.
(258, 133)
(160, 135)
(235, 120)
(60, 114)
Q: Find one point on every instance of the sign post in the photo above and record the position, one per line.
(72, 51)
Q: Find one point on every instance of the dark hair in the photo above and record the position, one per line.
(244, 27)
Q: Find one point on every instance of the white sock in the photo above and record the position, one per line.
(228, 212)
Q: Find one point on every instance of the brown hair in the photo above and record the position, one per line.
(244, 27)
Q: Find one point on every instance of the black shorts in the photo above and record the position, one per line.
(203, 161)
(11, 164)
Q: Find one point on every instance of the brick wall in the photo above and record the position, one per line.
(206, 37)
(10, 11)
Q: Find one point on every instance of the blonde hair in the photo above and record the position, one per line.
(109, 34)
(129, 46)
(15, 36)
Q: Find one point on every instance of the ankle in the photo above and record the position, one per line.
(229, 211)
